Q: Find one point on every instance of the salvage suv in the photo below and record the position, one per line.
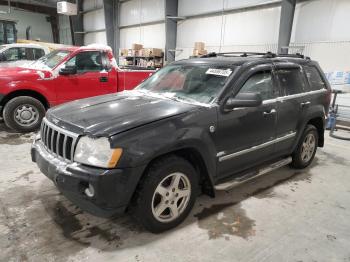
(195, 126)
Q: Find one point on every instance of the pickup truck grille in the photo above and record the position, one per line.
(58, 141)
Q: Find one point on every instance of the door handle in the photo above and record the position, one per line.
(271, 112)
(103, 79)
(305, 104)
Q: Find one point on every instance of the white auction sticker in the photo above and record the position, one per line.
(219, 72)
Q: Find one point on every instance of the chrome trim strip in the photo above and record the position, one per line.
(283, 98)
(248, 150)
(59, 129)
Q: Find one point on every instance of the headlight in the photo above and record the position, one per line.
(96, 152)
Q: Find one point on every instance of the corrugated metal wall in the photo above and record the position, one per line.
(94, 20)
(137, 12)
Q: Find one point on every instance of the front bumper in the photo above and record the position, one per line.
(113, 188)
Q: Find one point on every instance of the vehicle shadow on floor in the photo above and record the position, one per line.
(220, 217)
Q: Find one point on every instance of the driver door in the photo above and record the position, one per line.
(245, 134)
(87, 81)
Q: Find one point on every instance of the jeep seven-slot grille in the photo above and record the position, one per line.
(57, 140)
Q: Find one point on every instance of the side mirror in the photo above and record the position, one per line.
(68, 70)
(243, 100)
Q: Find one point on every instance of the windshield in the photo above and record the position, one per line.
(54, 58)
(192, 83)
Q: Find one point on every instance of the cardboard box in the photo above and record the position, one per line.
(123, 52)
(197, 52)
(199, 45)
(147, 52)
(137, 46)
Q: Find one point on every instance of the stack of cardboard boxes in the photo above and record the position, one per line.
(199, 49)
(138, 50)
(142, 57)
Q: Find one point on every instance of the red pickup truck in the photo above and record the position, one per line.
(63, 75)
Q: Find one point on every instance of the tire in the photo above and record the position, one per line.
(306, 150)
(159, 178)
(23, 114)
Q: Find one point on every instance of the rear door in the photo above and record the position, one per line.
(290, 105)
(245, 135)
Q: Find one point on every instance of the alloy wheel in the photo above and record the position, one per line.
(308, 147)
(171, 197)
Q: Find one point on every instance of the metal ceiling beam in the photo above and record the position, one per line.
(171, 12)
(286, 25)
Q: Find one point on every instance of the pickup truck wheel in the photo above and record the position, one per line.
(306, 150)
(166, 195)
(23, 113)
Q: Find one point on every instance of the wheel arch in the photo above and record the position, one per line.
(195, 158)
(26, 92)
(318, 122)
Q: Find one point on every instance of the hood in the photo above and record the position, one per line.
(12, 73)
(112, 114)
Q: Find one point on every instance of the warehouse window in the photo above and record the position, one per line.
(291, 81)
(261, 83)
(314, 78)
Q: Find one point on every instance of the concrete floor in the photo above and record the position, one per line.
(287, 215)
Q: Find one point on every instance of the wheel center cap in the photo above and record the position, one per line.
(26, 115)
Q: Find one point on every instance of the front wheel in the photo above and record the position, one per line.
(306, 150)
(23, 114)
(166, 195)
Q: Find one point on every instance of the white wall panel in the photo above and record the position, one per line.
(95, 38)
(141, 11)
(321, 20)
(195, 7)
(94, 20)
(40, 28)
(149, 36)
(92, 4)
(255, 30)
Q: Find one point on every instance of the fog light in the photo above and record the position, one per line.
(90, 191)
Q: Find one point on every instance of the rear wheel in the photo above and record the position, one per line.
(166, 195)
(23, 113)
(306, 150)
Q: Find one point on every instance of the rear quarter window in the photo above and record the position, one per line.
(291, 81)
(314, 78)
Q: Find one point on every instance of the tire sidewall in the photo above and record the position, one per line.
(144, 206)
(10, 107)
(298, 162)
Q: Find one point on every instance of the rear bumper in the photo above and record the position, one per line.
(113, 188)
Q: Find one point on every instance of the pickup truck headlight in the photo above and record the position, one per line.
(97, 152)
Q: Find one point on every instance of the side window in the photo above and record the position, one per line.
(291, 81)
(12, 54)
(38, 53)
(27, 53)
(314, 78)
(90, 61)
(260, 82)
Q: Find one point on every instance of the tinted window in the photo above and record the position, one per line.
(314, 78)
(260, 82)
(87, 61)
(291, 81)
(12, 54)
(38, 53)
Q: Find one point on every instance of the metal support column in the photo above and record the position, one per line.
(77, 25)
(286, 24)
(171, 7)
(111, 9)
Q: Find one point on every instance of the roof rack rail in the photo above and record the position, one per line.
(246, 54)
(240, 54)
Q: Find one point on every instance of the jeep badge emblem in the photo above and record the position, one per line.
(212, 129)
(55, 120)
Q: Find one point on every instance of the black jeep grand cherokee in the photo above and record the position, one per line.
(197, 125)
